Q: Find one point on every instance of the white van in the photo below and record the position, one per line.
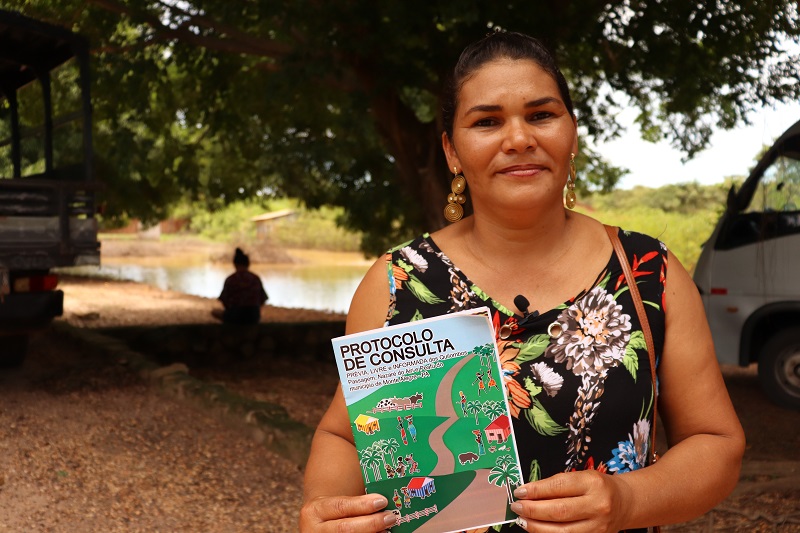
(749, 273)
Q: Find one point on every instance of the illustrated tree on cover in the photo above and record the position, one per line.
(474, 407)
(484, 352)
(367, 460)
(340, 103)
(505, 474)
(364, 462)
(376, 460)
(389, 447)
(493, 409)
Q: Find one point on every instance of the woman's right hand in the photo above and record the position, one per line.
(354, 514)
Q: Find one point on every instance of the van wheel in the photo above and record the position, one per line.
(779, 368)
(12, 350)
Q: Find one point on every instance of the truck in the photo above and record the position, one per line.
(748, 272)
(47, 186)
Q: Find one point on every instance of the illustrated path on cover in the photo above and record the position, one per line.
(479, 495)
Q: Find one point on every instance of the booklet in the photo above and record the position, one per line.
(430, 419)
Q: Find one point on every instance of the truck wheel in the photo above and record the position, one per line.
(779, 368)
(12, 350)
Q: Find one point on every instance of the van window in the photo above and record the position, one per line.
(779, 188)
(774, 210)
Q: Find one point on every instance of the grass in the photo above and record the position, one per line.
(314, 229)
(681, 215)
(684, 235)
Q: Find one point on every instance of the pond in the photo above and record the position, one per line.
(319, 280)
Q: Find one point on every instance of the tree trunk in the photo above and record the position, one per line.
(419, 159)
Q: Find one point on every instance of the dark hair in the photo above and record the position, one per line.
(496, 45)
(240, 258)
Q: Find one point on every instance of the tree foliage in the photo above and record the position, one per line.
(683, 198)
(338, 102)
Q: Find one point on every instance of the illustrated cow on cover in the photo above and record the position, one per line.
(399, 404)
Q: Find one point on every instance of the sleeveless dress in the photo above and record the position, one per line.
(577, 377)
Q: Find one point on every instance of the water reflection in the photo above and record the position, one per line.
(327, 287)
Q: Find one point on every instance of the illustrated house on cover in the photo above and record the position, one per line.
(367, 424)
(421, 487)
(499, 430)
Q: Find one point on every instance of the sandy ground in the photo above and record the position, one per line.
(85, 446)
(123, 246)
(98, 303)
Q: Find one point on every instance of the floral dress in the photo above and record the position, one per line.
(578, 376)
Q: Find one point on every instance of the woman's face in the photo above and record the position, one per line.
(512, 136)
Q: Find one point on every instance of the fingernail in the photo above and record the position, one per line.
(521, 492)
(380, 503)
(521, 522)
(516, 507)
(390, 519)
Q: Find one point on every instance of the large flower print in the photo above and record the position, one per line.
(594, 335)
(632, 453)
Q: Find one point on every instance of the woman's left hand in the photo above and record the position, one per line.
(575, 501)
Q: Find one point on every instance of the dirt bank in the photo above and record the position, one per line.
(98, 303)
(190, 247)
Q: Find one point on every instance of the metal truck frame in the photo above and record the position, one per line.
(47, 218)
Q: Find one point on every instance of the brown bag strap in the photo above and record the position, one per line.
(613, 235)
(637, 302)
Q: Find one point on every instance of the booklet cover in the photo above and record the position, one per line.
(430, 420)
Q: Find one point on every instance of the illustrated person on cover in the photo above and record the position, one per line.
(412, 430)
(578, 373)
(492, 382)
(479, 380)
(242, 294)
(400, 469)
(402, 430)
(479, 440)
(413, 466)
(398, 501)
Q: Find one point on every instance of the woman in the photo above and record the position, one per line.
(242, 294)
(511, 132)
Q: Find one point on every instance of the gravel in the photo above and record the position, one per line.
(85, 446)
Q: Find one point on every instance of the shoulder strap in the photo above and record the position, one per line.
(648, 336)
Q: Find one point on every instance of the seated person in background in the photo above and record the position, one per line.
(242, 295)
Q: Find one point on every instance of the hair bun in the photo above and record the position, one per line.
(240, 258)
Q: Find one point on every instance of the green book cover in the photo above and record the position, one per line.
(430, 421)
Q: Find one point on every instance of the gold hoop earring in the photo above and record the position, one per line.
(570, 199)
(453, 210)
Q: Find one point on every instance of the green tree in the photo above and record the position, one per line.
(389, 447)
(374, 455)
(493, 409)
(474, 407)
(338, 102)
(505, 474)
(487, 351)
(367, 459)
